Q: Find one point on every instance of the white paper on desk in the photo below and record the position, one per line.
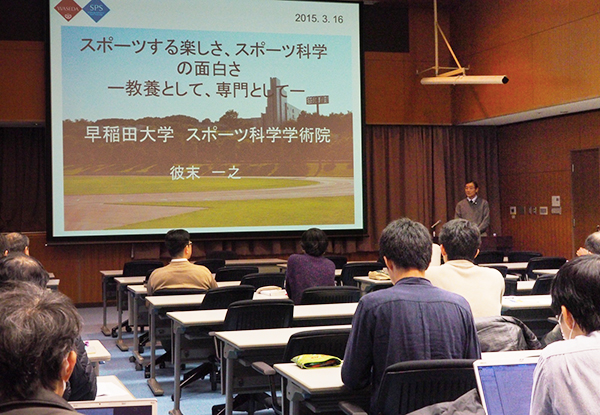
(110, 389)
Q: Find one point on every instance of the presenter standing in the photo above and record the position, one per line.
(473, 208)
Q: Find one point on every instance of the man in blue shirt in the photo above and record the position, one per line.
(413, 320)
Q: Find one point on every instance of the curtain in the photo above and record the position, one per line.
(413, 171)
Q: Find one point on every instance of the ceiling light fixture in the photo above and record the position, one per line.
(454, 75)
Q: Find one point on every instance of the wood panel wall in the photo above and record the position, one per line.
(549, 50)
(534, 164)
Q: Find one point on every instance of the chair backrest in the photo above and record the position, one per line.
(221, 255)
(522, 256)
(542, 284)
(222, 297)
(264, 279)
(213, 264)
(502, 268)
(327, 295)
(349, 271)
(259, 314)
(328, 341)
(234, 273)
(338, 260)
(489, 257)
(543, 262)
(510, 287)
(140, 268)
(408, 386)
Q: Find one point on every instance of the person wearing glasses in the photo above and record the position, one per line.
(567, 376)
(180, 273)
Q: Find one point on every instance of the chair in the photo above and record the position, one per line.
(249, 315)
(213, 264)
(137, 268)
(489, 257)
(327, 295)
(221, 255)
(522, 256)
(328, 341)
(544, 262)
(510, 287)
(408, 386)
(222, 297)
(234, 273)
(338, 260)
(360, 269)
(543, 284)
(264, 279)
(503, 269)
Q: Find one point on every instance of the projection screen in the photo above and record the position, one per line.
(221, 117)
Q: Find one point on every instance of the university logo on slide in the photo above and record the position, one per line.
(68, 9)
(96, 10)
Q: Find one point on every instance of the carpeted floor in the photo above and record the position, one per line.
(197, 398)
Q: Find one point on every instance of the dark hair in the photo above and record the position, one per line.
(474, 183)
(20, 267)
(314, 242)
(3, 244)
(577, 287)
(407, 244)
(592, 243)
(461, 239)
(16, 242)
(38, 328)
(176, 241)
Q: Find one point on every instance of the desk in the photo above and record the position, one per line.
(252, 345)
(552, 271)
(96, 353)
(53, 284)
(365, 283)
(319, 389)
(533, 310)
(110, 388)
(313, 315)
(524, 287)
(122, 284)
(511, 266)
(108, 278)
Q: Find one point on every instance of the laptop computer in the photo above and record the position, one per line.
(125, 407)
(505, 383)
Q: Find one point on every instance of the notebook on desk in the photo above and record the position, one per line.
(130, 407)
(505, 385)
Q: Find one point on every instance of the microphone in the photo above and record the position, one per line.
(436, 224)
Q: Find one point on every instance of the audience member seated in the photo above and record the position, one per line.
(310, 269)
(17, 242)
(567, 377)
(412, 320)
(38, 331)
(591, 245)
(482, 287)
(180, 273)
(82, 385)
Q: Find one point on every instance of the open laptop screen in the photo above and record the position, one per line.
(505, 389)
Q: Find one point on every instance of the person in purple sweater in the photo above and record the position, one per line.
(310, 269)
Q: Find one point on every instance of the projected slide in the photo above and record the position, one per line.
(215, 116)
